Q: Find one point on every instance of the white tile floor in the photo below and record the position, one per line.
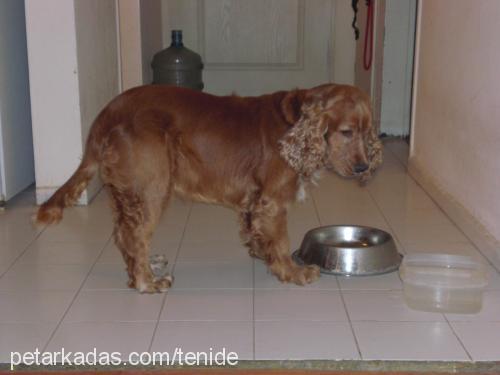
(64, 286)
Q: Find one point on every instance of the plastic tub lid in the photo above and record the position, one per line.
(443, 270)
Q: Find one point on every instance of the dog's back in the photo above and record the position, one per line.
(215, 144)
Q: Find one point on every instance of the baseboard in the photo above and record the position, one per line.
(477, 233)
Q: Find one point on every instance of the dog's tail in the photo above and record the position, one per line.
(51, 212)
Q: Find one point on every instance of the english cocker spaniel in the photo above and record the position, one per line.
(253, 154)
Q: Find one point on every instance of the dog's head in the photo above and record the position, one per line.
(332, 128)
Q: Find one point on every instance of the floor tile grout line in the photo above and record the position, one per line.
(458, 338)
(386, 219)
(387, 223)
(405, 166)
(412, 321)
(396, 156)
(399, 321)
(171, 289)
(22, 252)
(181, 240)
(446, 214)
(253, 309)
(151, 321)
(350, 321)
(315, 208)
(157, 322)
(80, 288)
(164, 302)
(341, 294)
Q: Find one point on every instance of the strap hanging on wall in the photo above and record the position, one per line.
(368, 49)
(354, 5)
(368, 43)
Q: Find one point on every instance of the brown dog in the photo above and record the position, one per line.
(253, 154)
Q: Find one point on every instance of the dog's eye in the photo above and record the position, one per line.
(346, 133)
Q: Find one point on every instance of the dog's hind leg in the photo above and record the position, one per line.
(137, 176)
(136, 216)
(136, 170)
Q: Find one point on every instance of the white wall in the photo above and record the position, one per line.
(16, 144)
(456, 135)
(54, 90)
(72, 75)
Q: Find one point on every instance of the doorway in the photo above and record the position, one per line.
(390, 77)
(397, 72)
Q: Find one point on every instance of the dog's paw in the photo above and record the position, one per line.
(158, 285)
(306, 274)
(299, 275)
(163, 283)
(256, 254)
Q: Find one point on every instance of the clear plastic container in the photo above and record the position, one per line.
(443, 283)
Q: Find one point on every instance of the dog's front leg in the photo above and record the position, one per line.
(248, 236)
(269, 229)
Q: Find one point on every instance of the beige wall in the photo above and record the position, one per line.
(370, 80)
(130, 43)
(140, 38)
(97, 53)
(344, 53)
(151, 36)
(456, 131)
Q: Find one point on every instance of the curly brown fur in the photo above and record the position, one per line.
(51, 212)
(374, 153)
(252, 154)
(304, 145)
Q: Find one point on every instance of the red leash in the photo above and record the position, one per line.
(368, 49)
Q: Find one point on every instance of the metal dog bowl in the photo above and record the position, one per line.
(349, 250)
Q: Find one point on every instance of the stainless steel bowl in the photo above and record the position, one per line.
(349, 250)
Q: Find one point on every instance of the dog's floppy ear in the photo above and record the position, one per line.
(373, 153)
(304, 145)
(291, 105)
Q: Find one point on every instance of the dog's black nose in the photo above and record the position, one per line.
(360, 168)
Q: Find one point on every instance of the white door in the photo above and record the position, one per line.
(257, 46)
(400, 18)
(16, 148)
